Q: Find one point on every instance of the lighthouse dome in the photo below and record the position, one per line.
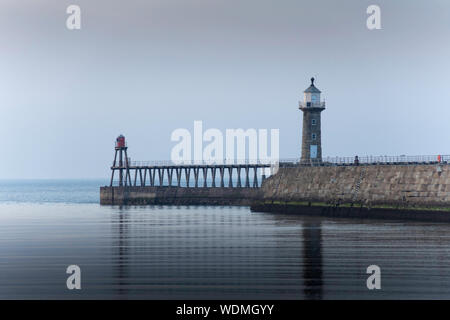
(312, 88)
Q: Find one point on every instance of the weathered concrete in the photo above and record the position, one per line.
(420, 185)
(178, 196)
(415, 188)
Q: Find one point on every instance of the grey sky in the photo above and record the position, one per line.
(145, 68)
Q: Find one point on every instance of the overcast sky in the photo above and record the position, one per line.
(146, 68)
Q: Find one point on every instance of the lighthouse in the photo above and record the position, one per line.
(123, 163)
(312, 107)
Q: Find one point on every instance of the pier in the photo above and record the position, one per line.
(128, 172)
(187, 175)
(236, 182)
(407, 187)
(420, 181)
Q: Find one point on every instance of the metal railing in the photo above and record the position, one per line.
(377, 160)
(203, 162)
(289, 162)
(303, 104)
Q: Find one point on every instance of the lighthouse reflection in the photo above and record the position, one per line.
(312, 260)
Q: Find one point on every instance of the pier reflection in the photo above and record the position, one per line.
(216, 253)
(120, 236)
(164, 252)
(187, 253)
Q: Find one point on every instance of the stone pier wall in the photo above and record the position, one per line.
(425, 186)
(178, 196)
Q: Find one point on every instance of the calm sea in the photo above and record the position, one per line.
(164, 252)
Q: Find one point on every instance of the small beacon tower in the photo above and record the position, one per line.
(311, 136)
(121, 165)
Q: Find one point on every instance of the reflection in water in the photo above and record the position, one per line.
(119, 228)
(215, 253)
(312, 255)
(194, 253)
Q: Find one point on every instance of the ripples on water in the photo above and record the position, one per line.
(213, 252)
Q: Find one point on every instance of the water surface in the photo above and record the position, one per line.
(164, 252)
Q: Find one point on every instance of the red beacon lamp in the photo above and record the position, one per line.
(120, 142)
(122, 163)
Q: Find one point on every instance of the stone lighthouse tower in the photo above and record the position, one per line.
(311, 136)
